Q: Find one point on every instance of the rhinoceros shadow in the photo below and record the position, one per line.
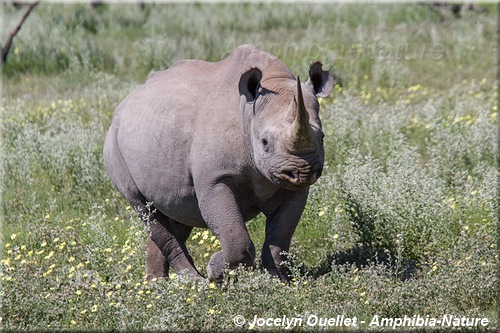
(362, 256)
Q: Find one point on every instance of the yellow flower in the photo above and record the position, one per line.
(94, 308)
(73, 322)
(211, 311)
(50, 255)
(149, 306)
(415, 88)
(212, 285)
(13, 236)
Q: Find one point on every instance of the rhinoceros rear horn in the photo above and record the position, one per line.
(249, 84)
(302, 136)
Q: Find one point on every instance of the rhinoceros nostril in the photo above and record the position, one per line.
(289, 174)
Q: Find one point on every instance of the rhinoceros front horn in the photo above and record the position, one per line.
(302, 136)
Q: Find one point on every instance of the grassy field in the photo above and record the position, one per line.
(402, 222)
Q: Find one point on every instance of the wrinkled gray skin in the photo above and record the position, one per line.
(212, 145)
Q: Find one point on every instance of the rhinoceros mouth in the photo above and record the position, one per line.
(294, 178)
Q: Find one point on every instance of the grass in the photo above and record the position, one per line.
(402, 222)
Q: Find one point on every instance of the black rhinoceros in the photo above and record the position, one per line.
(212, 145)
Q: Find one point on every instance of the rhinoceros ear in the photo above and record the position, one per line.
(250, 83)
(319, 80)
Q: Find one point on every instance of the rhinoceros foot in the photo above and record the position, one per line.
(215, 267)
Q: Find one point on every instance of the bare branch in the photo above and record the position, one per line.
(8, 44)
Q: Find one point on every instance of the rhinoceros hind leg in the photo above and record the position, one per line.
(157, 265)
(168, 237)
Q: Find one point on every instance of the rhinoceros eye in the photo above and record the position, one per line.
(265, 145)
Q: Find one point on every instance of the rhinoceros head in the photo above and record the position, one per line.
(285, 129)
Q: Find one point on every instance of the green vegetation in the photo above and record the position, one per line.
(403, 221)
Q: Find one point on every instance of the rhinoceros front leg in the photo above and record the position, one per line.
(280, 226)
(223, 216)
